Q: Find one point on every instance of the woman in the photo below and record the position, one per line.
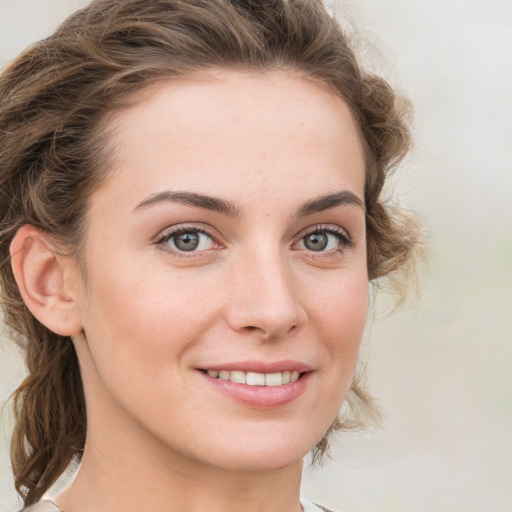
(191, 215)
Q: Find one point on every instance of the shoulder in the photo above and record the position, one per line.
(42, 506)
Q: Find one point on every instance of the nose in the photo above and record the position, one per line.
(264, 298)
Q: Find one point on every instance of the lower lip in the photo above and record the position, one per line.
(261, 397)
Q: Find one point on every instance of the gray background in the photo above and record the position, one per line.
(441, 369)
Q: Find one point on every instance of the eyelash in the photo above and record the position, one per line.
(169, 235)
(344, 239)
(342, 236)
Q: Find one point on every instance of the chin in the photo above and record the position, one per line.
(271, 452)
(250, 461)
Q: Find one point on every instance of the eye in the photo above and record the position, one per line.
(187, 239)
(325, 240)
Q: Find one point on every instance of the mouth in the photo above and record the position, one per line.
(260, 385)
(255, 378)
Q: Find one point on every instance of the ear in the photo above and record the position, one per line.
(44, 280)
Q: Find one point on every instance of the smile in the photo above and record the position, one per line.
(254, 378)
(260, 385)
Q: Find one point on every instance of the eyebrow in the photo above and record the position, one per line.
(192, 199)
(233, 210)
(330, 201)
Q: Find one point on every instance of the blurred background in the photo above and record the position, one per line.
(441, 369)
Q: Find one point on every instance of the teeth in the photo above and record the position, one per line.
(237, 377)
(256, 379)
(273, 379)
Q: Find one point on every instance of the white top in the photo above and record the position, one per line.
(309, 506)
(42, 506)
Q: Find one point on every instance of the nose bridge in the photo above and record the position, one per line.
(265, 297)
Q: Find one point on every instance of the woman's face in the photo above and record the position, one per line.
(226, 286)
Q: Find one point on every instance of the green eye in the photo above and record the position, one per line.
(188, 240)
(324, 240)
(316, 241)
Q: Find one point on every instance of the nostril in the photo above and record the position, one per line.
(252, 328)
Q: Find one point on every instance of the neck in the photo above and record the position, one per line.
(118, 474)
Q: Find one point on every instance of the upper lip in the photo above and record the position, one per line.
(261, 366)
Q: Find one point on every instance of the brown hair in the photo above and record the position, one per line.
(53, 99)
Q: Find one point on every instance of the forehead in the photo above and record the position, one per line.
(228, 130)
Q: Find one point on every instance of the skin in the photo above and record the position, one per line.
(147, 316)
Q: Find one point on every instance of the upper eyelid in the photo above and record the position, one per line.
(175, 230)
(216, 237)
(329, 228)
(167, 234)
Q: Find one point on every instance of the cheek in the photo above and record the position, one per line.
(341, 320)
(143, 318)
(338, 316)
(342, 308)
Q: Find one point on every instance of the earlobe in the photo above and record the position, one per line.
(40, 274)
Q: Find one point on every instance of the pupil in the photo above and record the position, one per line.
(316, 241)
(187, 241)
